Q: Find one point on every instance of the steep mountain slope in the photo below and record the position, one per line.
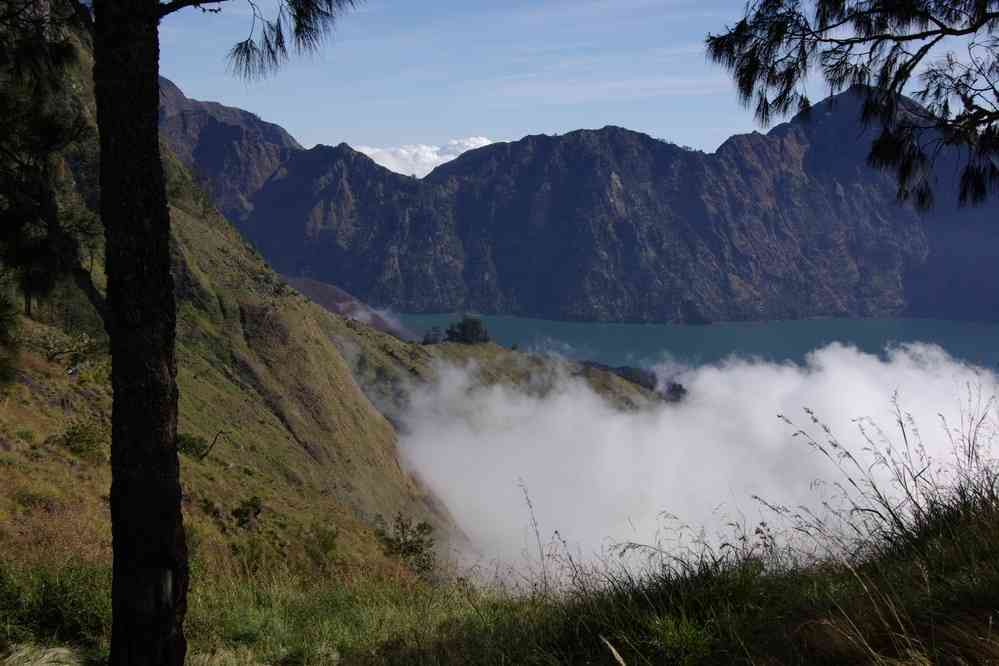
(394, 239)
(298, 401)
(233, 150)
(304, 405)
(303, 450)
(261, 370)
(612, 224)
(262, 363)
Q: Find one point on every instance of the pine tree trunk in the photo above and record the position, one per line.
(150, 555)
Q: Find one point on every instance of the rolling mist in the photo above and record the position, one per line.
(599, 476)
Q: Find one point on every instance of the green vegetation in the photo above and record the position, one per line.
(321, 546)
(48, 231)
(264, 365)
(434, 336)
(468, 331)
(194, 446)
(248, 512)
(88, 438)
(66, 604)
(883, 47)
(411, 543)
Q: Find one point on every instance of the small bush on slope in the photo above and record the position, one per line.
(88, 438)
(409, 542)
(468, 331)
(194, 446)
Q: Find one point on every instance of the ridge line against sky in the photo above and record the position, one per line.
(410, 85)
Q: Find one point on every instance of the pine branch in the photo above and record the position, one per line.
(175, 5)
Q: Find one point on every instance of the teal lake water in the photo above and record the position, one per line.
(780, 341)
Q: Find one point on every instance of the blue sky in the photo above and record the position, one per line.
(404, 73)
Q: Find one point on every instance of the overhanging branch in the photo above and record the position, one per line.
(175, 5)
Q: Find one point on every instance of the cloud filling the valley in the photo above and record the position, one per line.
(420, 159)
(598, 475)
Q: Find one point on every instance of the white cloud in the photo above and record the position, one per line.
(419, 158)
(595, 473)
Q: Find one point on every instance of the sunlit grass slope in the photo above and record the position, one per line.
(293, 402)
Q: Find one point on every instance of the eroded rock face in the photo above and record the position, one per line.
(612, 224)
(232, 150)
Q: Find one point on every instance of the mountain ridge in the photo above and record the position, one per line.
(614, 225)
(233, 150)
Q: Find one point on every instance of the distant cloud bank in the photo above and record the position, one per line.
(419, 159)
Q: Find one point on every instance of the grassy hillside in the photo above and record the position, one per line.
(292, 400)
(287, 498)
(261, 364)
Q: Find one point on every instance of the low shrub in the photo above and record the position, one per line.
(408, 542)
(679, 639)
(194, 446)
(321, 544)
(88, 438)
(675, 392)
(468, 331)
(72, 349)
(248, 512)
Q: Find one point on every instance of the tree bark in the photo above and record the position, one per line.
(149, 592)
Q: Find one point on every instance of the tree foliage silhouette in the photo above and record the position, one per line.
(41, 237)
(945, 53)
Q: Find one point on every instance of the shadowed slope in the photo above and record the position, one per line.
(612, 224)
(232, 150)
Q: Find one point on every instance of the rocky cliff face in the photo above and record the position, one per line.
(612, 224)
(392, 239)
(232, 150)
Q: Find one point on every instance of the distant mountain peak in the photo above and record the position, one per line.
(233, 150)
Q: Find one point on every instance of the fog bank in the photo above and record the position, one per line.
(598, 475)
